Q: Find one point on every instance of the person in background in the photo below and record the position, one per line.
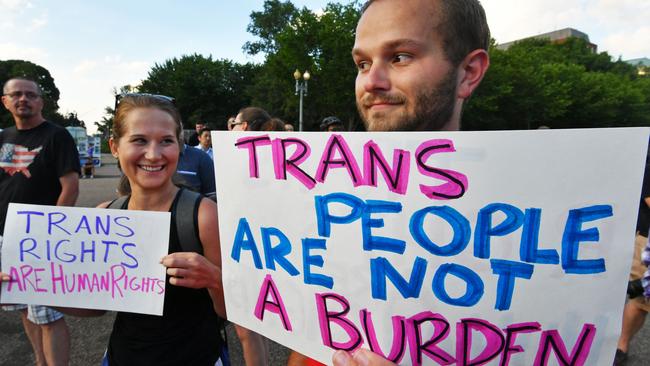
(205, 142)
(255, 346)
(39, 164)
(89, 165)
(196, 169)
(194, 137)
(256, 119)
(418, 62)
(637, 307)
(331, 124)
(230, 123)
(288, 127)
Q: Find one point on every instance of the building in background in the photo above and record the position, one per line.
(642, 65)
(84, 142)
(557, 36)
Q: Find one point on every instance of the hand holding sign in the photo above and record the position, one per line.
(191, 270)
(361, 357)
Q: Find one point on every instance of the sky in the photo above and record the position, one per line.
(91, 47)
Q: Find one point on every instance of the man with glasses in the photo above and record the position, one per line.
(39, 164)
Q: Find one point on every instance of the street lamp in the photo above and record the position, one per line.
(301, 89)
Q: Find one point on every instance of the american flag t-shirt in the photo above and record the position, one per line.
(17, 158)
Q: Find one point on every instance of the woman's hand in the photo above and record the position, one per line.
(189, 269)
(360, 357)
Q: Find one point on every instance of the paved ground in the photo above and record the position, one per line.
(90, 335)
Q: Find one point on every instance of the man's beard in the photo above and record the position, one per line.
(27, 111)
(432, 111)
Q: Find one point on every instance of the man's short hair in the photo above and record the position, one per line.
(255, 117)
(462, 25)
(204, 129)
(24, 78)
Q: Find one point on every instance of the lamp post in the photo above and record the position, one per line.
(301, 89)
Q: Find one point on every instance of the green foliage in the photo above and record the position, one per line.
(268, 24)
(105, 126)
(300, 39)
(206, 90)
(563, 85)
(20, 68)
(70, 119)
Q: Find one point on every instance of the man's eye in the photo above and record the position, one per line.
(363, 66)
(402, 58)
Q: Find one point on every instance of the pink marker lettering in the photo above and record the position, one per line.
(57, 276)
(429, 348)
(494, 341)
(276, 306)
(38, 279)
(456, 182)
(251, 143)
(326, 317)
(336, 144)
(15, 279)
(511, 337)
(551, 340)
(26, 271)
(398, 344)
(117, 273)
(282, 165)
(396, 177)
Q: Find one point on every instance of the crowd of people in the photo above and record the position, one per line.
(418, 62)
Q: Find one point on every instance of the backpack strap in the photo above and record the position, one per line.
(118, 202)
(186, 218)
(187, 221)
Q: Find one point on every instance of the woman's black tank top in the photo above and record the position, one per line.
(186, 334)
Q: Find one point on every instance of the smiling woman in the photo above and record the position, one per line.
(146, 141)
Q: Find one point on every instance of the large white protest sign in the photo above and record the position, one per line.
(433, 248)
(85, 258)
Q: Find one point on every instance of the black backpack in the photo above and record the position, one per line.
(186, 222)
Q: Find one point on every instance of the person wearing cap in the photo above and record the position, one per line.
(331, 124)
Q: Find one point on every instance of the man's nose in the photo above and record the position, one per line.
(377, 78)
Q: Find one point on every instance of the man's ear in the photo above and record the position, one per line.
(471, 72)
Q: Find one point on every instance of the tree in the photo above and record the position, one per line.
(21, 68)
(300, 39)
(536, 82)
(205, 90)
(70, 119)
(268, 24)
(105, 126)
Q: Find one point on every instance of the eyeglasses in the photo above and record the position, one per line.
(160, 97)
(235, 123)
(17, 95)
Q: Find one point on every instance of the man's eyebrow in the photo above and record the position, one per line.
(391, 45)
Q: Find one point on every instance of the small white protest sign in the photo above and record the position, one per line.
(491, 248)
(85, 258)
